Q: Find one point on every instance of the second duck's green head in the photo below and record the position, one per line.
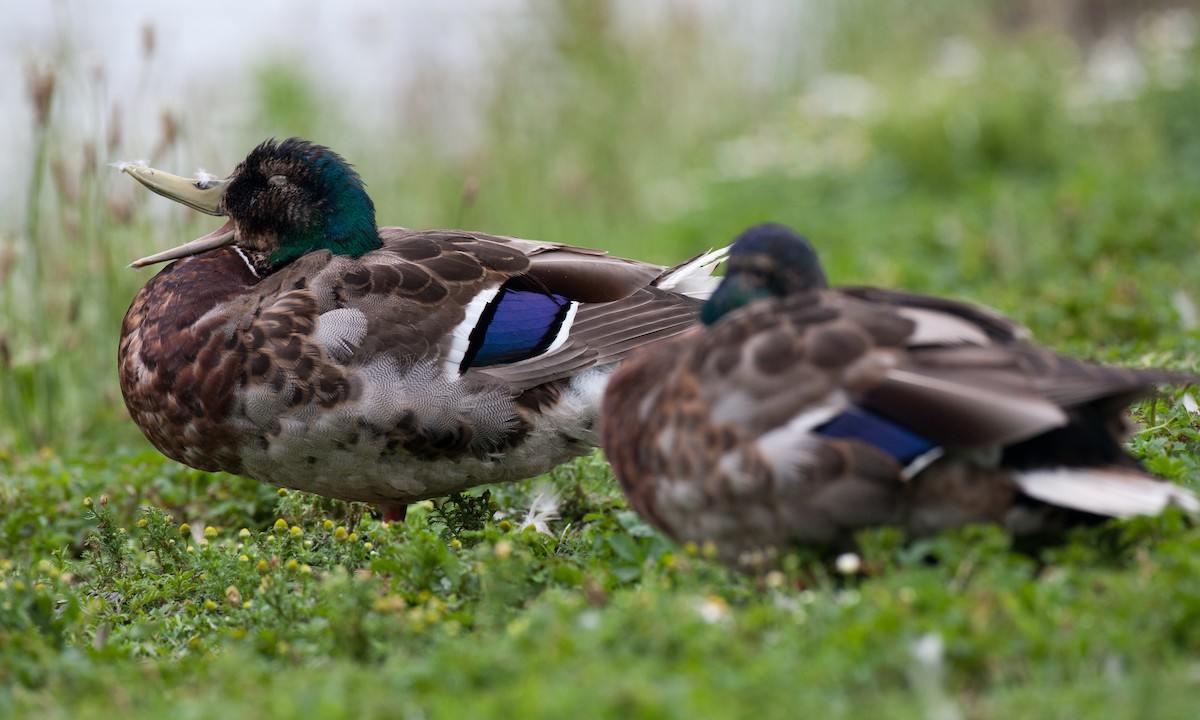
(284, 200)
(766, 260)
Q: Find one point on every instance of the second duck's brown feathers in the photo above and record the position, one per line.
(803, 414)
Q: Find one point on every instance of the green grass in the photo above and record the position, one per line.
(1016, 185)
(128, 583)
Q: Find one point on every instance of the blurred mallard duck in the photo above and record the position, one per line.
(799, 414)
(303, 346)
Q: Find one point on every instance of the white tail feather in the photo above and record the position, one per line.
(1114, 493)
(695, 278)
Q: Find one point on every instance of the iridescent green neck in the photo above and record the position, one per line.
(343, 221)
(731, 295)
(351, 232)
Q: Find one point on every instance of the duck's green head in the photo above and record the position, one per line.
(766, 260)
(284, 200)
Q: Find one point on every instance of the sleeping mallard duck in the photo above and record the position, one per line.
(798, 414)
(303, 346)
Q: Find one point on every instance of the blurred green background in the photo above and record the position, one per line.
(1041, 158)
(1037, 156)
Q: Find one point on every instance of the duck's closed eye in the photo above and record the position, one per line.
(277, 180)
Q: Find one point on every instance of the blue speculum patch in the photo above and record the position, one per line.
(896, 440)
(516, 325)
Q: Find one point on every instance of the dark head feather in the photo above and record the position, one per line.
(293, 197)
(767, 260)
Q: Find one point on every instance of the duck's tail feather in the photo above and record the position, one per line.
(1113, 492)
(694, 277)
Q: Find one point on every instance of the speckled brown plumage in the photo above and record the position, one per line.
(178, 368)
(804, 414)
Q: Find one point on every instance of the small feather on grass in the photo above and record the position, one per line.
(542, 510)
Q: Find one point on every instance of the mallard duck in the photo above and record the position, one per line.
(303, 346)
(798, 414)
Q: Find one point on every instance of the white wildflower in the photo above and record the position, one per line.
(713, 609)
(848, 563)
